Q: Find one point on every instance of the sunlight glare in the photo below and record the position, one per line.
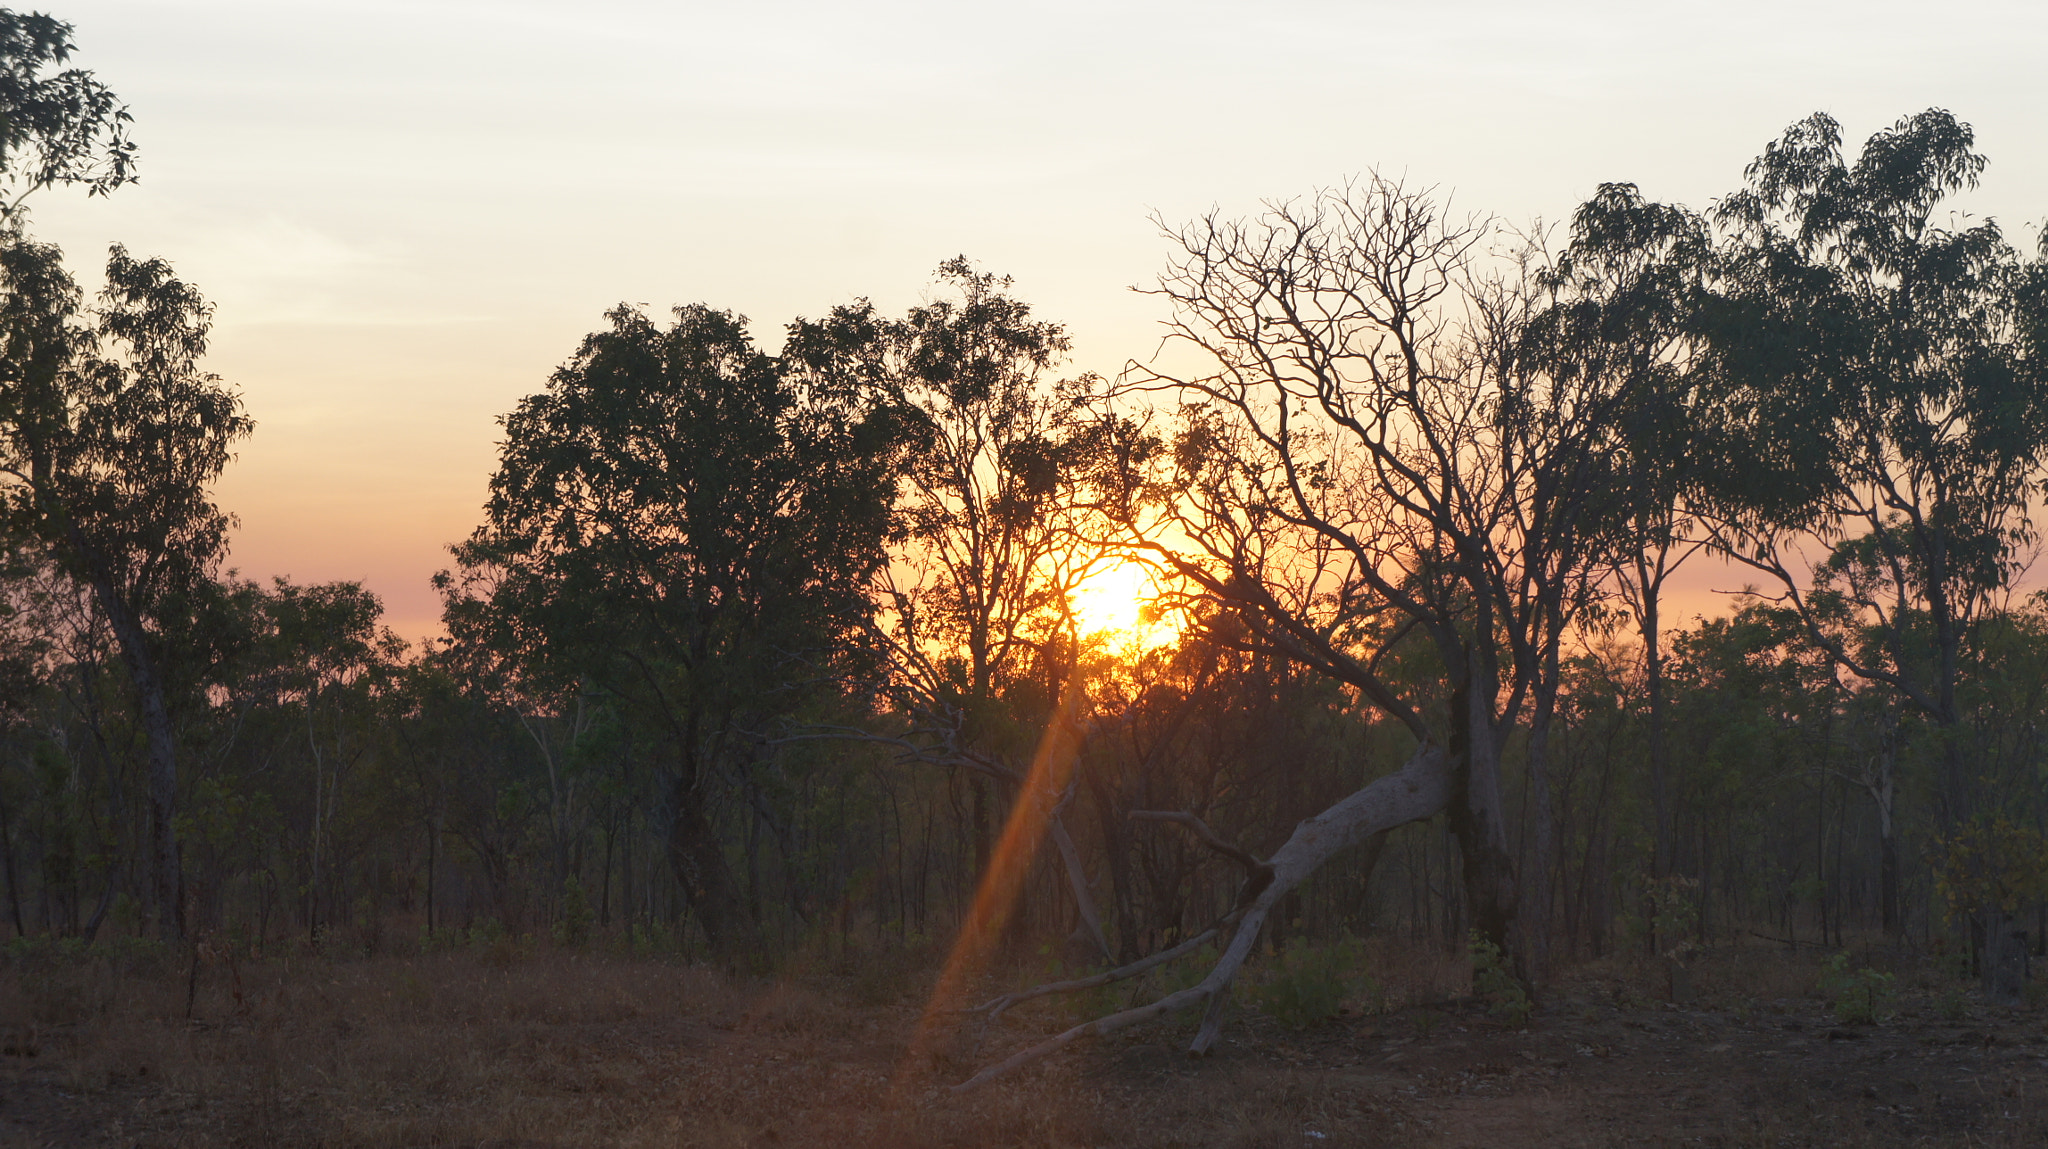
(1113, 600)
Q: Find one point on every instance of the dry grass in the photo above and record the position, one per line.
(553, 1048)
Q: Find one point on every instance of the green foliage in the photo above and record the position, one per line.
(1676, 912)
(55, 128)
(129, 954)
(573, 919)
(1990, 863)
(655, 939)
(1186, 973)
(1858, 997)
(1507, 999)
(1306, 984)
(67, 979)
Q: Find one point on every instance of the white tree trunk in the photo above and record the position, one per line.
(1420, 789)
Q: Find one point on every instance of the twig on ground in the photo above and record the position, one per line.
(994, 1007)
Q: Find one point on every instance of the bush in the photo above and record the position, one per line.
(572, 924)
(1859, 997)
(1507, 1000)
(1309, 984)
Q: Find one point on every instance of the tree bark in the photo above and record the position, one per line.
(168, 879)
(698, 861)
(1478, 821)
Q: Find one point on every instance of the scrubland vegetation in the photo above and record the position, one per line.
(504, 1042)
(820, 729)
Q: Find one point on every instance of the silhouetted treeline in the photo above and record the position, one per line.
(761, 653)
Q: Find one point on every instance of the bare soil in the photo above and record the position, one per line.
(505, 1050)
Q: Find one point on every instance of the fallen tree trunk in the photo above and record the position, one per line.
(1422, 787)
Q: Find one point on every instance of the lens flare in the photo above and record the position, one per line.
(1010, 863)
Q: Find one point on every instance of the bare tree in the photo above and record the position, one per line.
(1365, 456)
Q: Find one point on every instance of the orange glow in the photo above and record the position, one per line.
(1010, 863)
(1113, 600)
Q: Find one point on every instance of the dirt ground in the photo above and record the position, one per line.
(557, 1049)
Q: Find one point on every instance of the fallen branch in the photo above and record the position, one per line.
(1790, 943)
(994, 1007)
(1096, 1028)
(1423, 786)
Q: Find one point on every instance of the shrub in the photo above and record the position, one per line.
(572, 924)
(1495, 984)
(1308, 984)
(1859, 997)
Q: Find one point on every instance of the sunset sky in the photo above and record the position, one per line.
(409, 213)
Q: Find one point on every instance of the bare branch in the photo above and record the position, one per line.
(995, 1007)
(1254, 868)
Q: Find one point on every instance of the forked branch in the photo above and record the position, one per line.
(1210, 838)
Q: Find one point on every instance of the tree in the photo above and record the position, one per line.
(111, 434)
(680, 524)
(66, 128)
(975, 620)
(1619, 317)
(1889, 374)
(109, 430)
(1360, 465)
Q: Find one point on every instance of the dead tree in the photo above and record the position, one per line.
(1360, 460)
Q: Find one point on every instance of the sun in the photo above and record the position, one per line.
(1112, 601)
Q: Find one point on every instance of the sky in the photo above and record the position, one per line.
(409, 213)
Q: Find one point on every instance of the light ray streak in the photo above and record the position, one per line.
(995, 899)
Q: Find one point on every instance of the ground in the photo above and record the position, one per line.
(504, 1048)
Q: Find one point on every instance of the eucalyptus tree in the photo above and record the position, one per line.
(110, 431)
(974, 621)
(1893, 387)
(1888, 374)
(56, 128)
(1619, 315)
(111, 434)
(683, 525)
(298, 684)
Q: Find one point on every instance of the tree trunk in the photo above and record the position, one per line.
(1115, 848)
(1368, 861)
(168, 880)
(1077, 881)
(1888, 883)
(698, 861)
(13, 887)
(433, 852)
(2003, 968)
(1478, 820)
(1660, 801)
(1882, 793)
(1537, 904)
